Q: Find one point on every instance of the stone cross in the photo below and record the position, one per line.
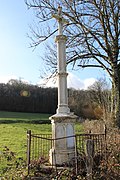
(61, 56)
(63, 148)
(60, 19)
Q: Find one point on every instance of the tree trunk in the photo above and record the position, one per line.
(118, 105)
(115, 101)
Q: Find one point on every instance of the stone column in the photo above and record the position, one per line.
(63, 147)
(62, 75)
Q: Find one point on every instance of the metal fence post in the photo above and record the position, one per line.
(76, 155)
(28, 149)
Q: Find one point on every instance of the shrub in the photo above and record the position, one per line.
(109, 168)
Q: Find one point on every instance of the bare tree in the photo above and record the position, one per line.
(93, 35)
(100, 93)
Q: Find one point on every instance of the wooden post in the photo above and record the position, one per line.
(28, 149)
(89, 154)
(105, 129)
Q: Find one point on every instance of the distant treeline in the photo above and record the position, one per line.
(22, 97)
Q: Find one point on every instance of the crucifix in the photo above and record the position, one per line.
(61, 56)
(60, 19)
(63, 148)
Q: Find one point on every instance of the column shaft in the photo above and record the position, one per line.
(62, 75)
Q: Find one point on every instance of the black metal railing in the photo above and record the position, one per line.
(38, 145)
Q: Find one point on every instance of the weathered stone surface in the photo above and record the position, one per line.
(63, 147)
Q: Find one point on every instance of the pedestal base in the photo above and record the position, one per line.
(63, 135)
(60, 157)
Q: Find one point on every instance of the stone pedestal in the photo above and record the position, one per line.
(63, 147)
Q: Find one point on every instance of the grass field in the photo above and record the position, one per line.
(14, 126)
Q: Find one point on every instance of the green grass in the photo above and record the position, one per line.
(13, 130)
(22, 116)
(19, 117)
(14, 125)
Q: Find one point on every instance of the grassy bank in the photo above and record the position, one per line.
(14, 126)
(19, 117)
(13, 129)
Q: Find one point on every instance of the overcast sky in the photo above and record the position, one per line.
(17, 60)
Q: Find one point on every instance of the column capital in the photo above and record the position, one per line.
(60, 38)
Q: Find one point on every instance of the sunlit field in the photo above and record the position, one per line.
(13, 131)
(14, 126)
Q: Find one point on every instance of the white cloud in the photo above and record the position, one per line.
(5, 79)
(88, 82)
(73, 81)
